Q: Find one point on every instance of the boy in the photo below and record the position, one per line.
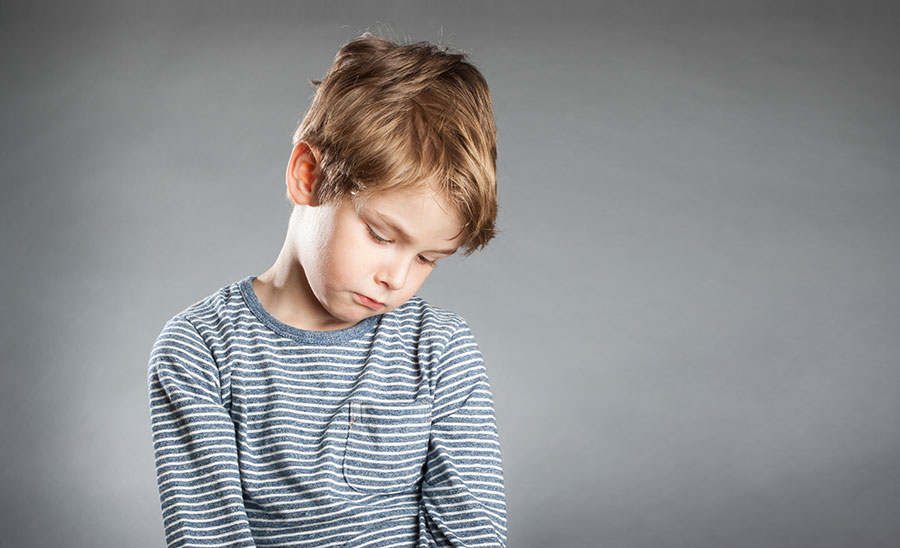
(323, 403)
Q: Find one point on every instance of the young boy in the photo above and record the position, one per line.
(323, 403)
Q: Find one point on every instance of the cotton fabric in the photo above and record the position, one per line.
(379, 435)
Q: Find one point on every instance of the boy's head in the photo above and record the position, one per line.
(405, 117)
(393, 168)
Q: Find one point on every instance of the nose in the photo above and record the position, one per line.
(393, 273)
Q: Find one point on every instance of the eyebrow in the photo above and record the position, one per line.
(403, 234)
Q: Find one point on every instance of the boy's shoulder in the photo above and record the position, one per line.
(218, 303)
(419, 310)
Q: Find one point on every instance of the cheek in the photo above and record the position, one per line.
(417, 278)
(348, 257)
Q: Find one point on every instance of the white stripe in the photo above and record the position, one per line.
(217, 371)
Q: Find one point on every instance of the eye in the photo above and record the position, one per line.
(376, 237)
(383, 241)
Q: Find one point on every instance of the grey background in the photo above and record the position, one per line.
(690, 319)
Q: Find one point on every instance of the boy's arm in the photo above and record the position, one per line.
(463, 501)
(194, 444)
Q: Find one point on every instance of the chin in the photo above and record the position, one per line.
(359, 315)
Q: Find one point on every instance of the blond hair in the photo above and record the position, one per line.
(391, 117)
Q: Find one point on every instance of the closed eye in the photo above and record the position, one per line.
(376, 237)
(384, 241)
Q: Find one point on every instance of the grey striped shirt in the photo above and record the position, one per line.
(379, 435)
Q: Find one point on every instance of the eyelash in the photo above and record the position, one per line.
(378, 239)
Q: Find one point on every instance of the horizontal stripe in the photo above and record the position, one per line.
(382, 434)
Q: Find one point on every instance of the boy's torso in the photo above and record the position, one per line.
(329, 425)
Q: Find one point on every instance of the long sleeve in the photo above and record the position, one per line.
(194, 444)
(463, 502)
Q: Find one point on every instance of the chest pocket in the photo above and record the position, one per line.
(386, 445)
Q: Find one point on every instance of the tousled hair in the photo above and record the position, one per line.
(395, 117)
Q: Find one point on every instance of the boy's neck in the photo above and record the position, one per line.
(285, 294)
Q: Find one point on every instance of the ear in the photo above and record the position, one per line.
(303, 174)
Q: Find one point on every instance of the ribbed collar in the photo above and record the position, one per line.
(302, 335)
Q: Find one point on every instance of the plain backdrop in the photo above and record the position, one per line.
(690, 316)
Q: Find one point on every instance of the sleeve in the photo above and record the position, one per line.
(463, 502)
(194, 444)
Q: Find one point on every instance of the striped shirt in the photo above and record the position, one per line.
(379, 435)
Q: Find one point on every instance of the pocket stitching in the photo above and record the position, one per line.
(356, 425)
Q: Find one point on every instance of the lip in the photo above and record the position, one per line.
(366, 301)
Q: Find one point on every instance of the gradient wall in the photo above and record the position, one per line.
(700, 216)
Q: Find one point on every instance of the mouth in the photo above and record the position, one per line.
(366, 301)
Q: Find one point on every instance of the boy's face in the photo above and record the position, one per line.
(359, 264)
